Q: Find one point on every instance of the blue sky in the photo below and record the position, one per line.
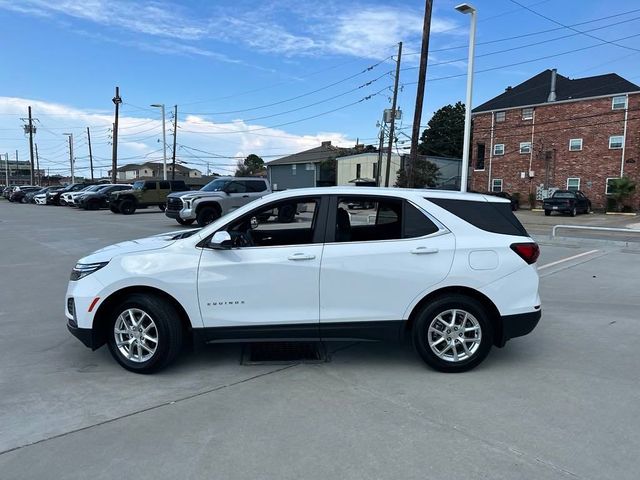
(247, 75)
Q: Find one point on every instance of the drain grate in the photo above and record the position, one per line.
(283, 353)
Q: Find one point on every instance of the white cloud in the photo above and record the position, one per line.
(138, 138)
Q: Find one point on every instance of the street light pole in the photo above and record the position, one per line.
(467, 8)
(164, 139)
(71, 159)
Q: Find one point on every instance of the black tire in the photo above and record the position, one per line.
(573, 212)
(162, 207)
(92, 206)
(588, 210)
(207, 215)
(547, 213)
(185, 222)
(168, 330)
(114, 208)
(441, 306)
(127, 207)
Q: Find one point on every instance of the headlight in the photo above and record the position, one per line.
(187, 203)
(81, 270)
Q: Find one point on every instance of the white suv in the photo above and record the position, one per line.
(454, 271)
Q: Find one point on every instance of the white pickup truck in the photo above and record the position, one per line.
(217, 198)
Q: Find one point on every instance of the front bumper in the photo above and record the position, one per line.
(175, 214)
(518, 325)
(85, 335)
(184, 214)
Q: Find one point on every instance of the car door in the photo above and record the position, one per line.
(379, 261)
(270, 277)
(237, 194)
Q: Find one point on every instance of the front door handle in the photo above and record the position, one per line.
(424, 250)
(301, 256)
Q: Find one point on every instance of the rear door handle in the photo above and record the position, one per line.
(301, 256)
(424, 250)
(245, 196)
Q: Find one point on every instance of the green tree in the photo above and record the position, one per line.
(620, 189)
(251, 166)
(444, 134)
(425, 175)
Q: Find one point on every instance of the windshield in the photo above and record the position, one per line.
(564, 195)
(138, 185)
(215, 186)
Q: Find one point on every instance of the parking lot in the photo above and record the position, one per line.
(562, 402)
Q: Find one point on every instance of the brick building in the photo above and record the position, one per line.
(552, 132)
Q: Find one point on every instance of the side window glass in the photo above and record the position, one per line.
(288, 222)
(235, 187)
(164, 185)
(416, 223)
(255, 186)
(366, 219)
(150, 185)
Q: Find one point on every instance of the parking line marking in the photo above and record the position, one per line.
(557, 262)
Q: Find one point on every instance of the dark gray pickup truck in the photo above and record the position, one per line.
(567, 201)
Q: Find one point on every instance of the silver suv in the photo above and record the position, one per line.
(217, 198)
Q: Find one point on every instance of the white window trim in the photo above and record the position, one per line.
(613, 100)
(575, 149)
(573, 178)
(495, 147)
(621, 143)
(528, 144)
(504, 118)
(523, 114)
(606, 184)
(493, 184)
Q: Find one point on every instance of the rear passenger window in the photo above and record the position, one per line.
(416, 223)
(150, 185)
(255, 185)
(165, 185)
(488, 216)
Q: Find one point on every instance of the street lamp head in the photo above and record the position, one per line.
(157, 105)
(67, 133)
(466, 8)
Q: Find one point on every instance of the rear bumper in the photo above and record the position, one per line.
(518, 325)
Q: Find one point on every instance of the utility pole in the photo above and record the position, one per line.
(38, 166)
(422, 75)
(73, 177)
(90, 153)
(17, 164)
(6, 167)
(393, 114)
(380, 147)
(175, 135)
(114, 158)
(32, 179)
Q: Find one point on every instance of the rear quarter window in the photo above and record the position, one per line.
(488, 216)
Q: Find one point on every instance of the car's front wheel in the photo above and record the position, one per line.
(145, 334)
(453, 333)
(127, 207)
(547, 213)
(207, 215)
(573, 212)
(114, 208)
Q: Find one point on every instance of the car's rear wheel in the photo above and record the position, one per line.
(547, 213)
(453, 333)
(92, 206)
(588, 210)
(573, 212)
(207, 215)
(145, 334)
(127, 207)
(184, 222)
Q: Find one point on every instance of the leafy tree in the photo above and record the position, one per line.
(251, 166)
(425, 175)
(444, 134)
(620, 189)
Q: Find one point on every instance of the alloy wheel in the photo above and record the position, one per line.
(136, 335)
(454, 335)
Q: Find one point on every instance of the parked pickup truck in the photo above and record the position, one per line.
(143, 194)
(217, 198)
(567, 201)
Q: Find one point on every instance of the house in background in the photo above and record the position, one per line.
(154, 170)
(552, 132)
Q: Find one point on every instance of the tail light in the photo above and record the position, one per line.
(529, 252)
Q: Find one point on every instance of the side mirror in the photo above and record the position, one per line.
(220, 241)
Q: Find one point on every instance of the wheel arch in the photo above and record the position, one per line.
(492, 310)
(100, 322)
(209, 203)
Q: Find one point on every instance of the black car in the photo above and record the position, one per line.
(567, 201)
(53, 198)
(19, 194)
(515, 204)
(100, 199)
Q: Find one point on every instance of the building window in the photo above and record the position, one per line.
(358, 170)
(293, 169)
(619, 102)
(501, 116)
(480, 156)
(498, 149)
(573, 183)
(616, 141)
(609, 189)
(525, 147)
(575, 144)
(309, 167)
(527, 113)
(496, 185)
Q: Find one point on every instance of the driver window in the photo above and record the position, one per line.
(288, 222)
